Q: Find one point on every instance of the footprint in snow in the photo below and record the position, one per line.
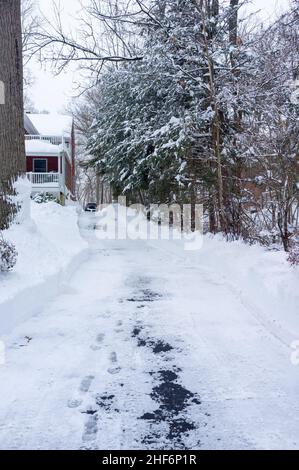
(113, 359)
(91, 428)
(86, 383)
(99, 341)
(84, 388)
(114, 370)
(118, 328)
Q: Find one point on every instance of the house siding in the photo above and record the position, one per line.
(52, 163)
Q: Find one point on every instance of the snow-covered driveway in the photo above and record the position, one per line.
(144, 348)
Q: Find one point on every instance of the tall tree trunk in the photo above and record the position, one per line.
(206, 9)
(98, 189)
(217, 146)
(216, 125)
(236, 176)
(233, 21)
(12, 146)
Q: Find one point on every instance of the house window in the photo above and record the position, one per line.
(40, 165)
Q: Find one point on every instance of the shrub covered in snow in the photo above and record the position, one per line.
(44, 197)
(22, 199)
(293, 257)
(8, 255)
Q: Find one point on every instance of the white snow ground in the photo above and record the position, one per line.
(49, 249)
(147, 346)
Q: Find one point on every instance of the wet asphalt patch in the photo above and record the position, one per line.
(145, 295)
(160, 346)
(173, 401)
(179, 427)
(89, 412)
(157, 345)
(172, 398)
(105, 402)
(136, 332)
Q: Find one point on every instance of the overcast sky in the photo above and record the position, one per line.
(53, 93)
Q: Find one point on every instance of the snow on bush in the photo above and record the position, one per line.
(21, 199)
(293, 257)
(41, 198)
(8, 255)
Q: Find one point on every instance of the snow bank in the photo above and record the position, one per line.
(49, 248)
(263, 279)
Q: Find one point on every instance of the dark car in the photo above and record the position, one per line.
(91, 207)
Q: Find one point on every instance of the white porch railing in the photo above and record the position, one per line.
(52, 139)
(55, 140)
(44, 179)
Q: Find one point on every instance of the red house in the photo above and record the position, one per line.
(50, 154)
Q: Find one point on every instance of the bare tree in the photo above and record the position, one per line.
(31, 22)
(12, 147)
(103, 35)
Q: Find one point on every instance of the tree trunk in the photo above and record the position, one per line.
(12, 146)
(216, 125)
(236, 176)
(98, 189)
(217, 146)
(233, 21)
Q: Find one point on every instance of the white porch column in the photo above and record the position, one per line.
(63, 172)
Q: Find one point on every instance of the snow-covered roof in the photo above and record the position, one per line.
(29, 127)
(52, 124)
(41, 147)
